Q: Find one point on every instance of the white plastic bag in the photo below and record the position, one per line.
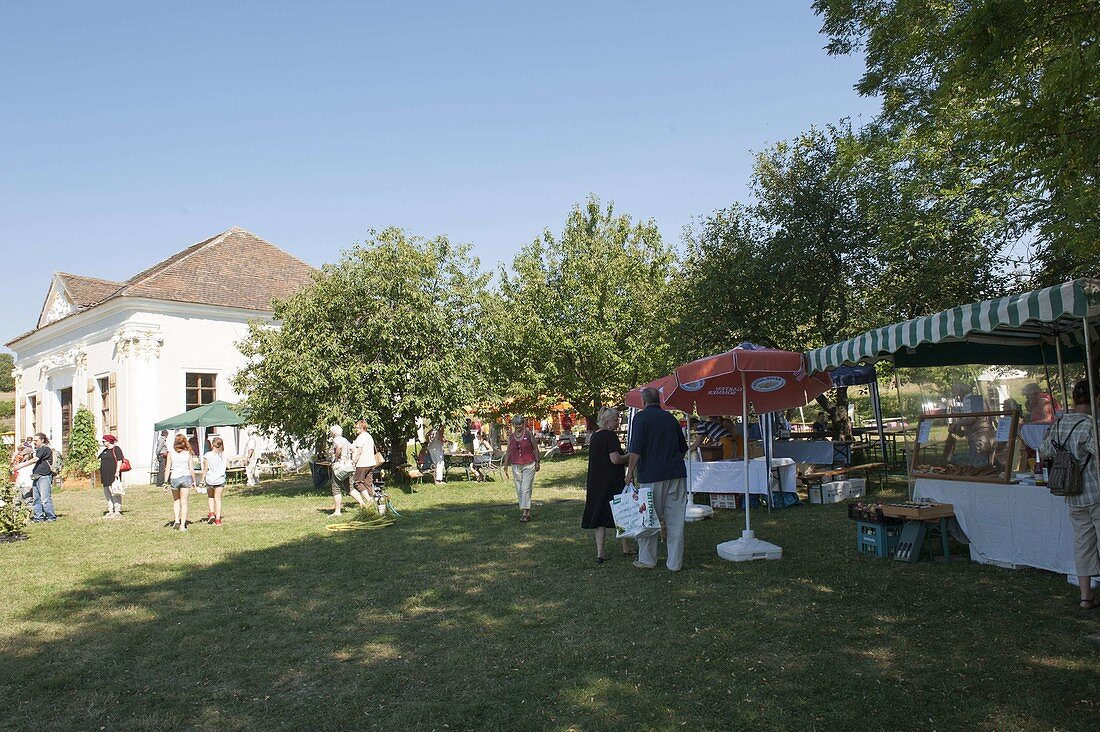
(117, 488)
(342, 468)
(634, 513)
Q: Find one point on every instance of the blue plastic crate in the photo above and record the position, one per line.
(877, 540)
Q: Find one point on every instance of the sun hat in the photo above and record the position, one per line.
(110, 438)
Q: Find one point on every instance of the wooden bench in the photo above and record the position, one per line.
(816, 478)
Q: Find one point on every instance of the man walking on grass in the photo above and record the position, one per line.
(656, 452)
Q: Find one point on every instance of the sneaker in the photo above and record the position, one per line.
(210, 517)
(51, 519)
(217, 522)
(176, 525)
(642, 565)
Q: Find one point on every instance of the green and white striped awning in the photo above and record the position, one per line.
(1017, 330)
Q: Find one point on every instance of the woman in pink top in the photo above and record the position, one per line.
(523, 456)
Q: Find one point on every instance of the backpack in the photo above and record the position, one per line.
(56, 462)
(1066, 475)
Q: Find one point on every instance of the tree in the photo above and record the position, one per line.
(584, 316)
(845, 233)
(1012, 85)
(385, 335)
(7, 364)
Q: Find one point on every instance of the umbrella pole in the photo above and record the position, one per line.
(745, 448)
(1061, 370)
(1092, 394)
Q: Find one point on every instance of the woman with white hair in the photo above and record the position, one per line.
(341, 453)
(523, 456)
(606, 478)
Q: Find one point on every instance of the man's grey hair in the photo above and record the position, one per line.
(336, 430)
(651, 396)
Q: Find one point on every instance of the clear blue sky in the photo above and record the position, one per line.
(132, 130)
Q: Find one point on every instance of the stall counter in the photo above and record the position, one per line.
(1008, 525)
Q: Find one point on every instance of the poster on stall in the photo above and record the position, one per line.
(924, 432)
(1004, 429)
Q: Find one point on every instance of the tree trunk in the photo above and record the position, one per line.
(838, 413)
(398, 446)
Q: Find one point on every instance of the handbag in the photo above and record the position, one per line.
(634, 514)
(379, 458)
(124, 464)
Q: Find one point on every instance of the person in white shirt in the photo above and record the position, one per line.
(181, 478)
(252, 460)
(435, 449)
(362, 454)
(213, 477)
(342, 453)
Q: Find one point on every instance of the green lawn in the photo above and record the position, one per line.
(460, 617)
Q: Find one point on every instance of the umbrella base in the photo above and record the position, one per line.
(697, 512)
(748, 548)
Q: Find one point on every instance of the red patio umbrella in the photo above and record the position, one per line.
(727, 383)
(665, 386)
(774, 380)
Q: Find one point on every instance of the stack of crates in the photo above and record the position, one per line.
(877, 540)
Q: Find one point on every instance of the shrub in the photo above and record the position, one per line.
(83, 456)
(12, 518)
(7, 409)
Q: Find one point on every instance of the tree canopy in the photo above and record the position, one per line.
(1010, 87)
(584, 316)
(385, 335)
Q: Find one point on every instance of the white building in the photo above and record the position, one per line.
(139, 351)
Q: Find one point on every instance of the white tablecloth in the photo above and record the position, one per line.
(814, 452)
(1009, 525)
(728, 476)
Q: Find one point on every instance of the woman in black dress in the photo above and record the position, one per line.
(110, 470)
(606, 460)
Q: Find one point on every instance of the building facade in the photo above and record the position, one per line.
(139, 351)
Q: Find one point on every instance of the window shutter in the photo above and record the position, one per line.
(112, 396)
(89, 398)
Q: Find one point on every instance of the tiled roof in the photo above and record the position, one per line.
(234, 269)
(87, 291)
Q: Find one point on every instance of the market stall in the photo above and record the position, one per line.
(1006, 522)
(728, 476)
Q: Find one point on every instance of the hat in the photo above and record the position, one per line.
(110, 438)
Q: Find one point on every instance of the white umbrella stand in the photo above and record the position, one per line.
(748, 547)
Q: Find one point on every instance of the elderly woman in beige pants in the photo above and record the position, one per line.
(523, 456)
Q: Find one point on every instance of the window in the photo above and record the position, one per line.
(201, 389)
(32, 414)
(105, 415)
(66, 398)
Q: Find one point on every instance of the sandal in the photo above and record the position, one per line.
(524, 518)
(1088, 604)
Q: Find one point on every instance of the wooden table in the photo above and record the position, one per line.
(928, 513)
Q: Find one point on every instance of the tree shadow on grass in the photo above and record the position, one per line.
(466, 618)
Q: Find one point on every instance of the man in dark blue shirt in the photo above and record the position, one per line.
(656, 455)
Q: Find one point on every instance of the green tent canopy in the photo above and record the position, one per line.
(214, 414)
(1023, 329)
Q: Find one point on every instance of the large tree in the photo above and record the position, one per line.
(1010, 87)
(584, 316)
(385, 334)
(844, 233)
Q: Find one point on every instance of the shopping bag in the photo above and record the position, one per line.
(634, 513)
(117, 488)
(342, 469)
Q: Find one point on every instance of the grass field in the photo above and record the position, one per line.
(460, 617)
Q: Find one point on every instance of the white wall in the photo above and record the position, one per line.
(150, 346)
